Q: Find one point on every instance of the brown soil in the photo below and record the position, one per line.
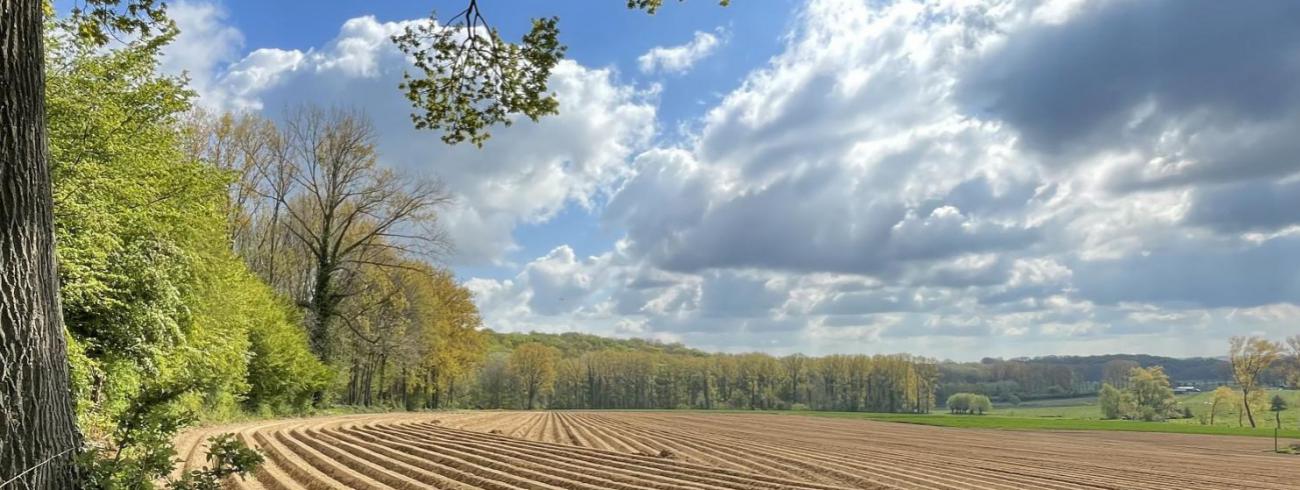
(695, 450)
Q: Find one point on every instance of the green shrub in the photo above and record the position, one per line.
(969, 403)
(1110, 399)
(227, 457)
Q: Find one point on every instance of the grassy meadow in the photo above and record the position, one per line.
(1083, 414)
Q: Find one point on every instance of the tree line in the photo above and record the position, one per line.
(351, 243)
(1253, 364)
(1046, 377)
(538, 375)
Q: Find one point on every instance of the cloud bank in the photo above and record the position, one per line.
(947, 178)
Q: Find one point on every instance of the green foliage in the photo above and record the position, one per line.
(1037, 423)
(636, 379)
(1057, 377)
(1111, 402)
(96, 21)
(652, 6)
(136, 228)
(163, 321)
(283, 374)
(139, 450)
(1152, 396)
(227, 457)
(1277, 403)
(969, 404)
(981, 405)
(124, 209)
(1148, 397)
(471, 79)
(533, 367)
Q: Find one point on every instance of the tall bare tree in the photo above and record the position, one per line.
(242, 146)
(255, 154)
(348, 212)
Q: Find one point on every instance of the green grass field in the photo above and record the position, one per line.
(1083, 414)
(1086, 409)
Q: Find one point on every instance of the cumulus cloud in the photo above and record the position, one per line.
(525, 174)
(205, 42)
(941, 176)
(679, 59)
(1005, 178)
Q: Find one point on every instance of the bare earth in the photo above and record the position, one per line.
(692, 450)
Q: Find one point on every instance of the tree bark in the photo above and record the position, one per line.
(322, 309)
(1245, 402)
(38, 430)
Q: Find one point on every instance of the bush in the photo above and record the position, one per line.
(1150, 414)
(139, 452)
(283, 374)
(227, 457)
(969, 403)
(959, 403)
(981, 404)
(1110, 399)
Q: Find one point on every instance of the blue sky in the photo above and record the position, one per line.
(953, 178)
(598, 34)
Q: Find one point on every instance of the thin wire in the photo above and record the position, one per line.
(29, 470)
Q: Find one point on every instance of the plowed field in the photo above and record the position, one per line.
(691, 450)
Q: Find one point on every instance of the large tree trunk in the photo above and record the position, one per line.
(38, 431)
(322, 311)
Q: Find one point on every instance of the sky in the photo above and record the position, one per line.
(950, 178)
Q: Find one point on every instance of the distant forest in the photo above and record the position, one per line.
(575, 370)
(1035, 378)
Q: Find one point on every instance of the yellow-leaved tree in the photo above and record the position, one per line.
(453, 341)
(533, 367)
(1222, 398)
(1250, 356)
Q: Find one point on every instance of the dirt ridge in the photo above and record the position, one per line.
(703, 451)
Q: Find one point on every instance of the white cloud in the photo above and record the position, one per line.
(849, 197)
(880, 186)
(679, 59)
(525, 174)
(205, 43)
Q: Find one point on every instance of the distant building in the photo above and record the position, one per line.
(1183, 390)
